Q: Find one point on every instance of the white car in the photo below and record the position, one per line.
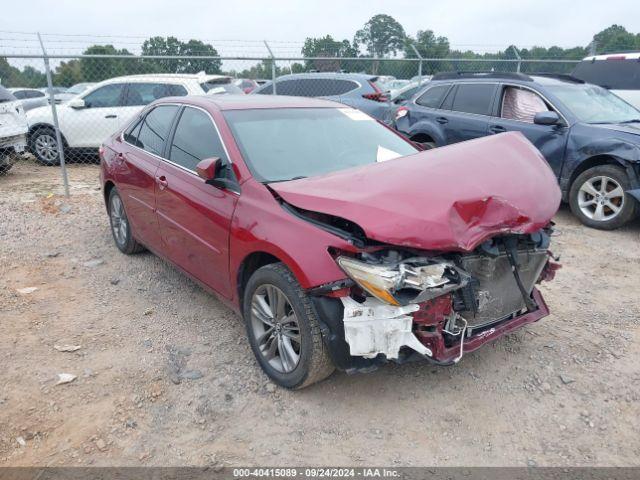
(13, 129)
(617, 72)
(30, 98)
(92, 116)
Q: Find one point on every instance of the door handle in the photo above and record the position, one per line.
(113, 115)
(442, 120)
(162, 182)
(120, 158)
(497, 129)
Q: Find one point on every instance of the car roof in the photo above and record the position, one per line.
(544, 79)
(200, 77)
(614, 56)
(334, 75)
(250, 102)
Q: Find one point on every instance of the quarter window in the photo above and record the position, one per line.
(107, 96)
(151, 132)
(474, 98)
(195, 139)
(432, 98)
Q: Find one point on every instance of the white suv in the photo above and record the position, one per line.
(13, 129)
(617, 72)
(89, 118)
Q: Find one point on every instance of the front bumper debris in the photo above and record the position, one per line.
(373, 327)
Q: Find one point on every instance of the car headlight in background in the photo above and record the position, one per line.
(385, 280)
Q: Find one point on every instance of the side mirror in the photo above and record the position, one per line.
(214, 172)
(208, 168)
(77, 103)
(547, 118)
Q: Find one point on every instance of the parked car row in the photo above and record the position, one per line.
(100, 109)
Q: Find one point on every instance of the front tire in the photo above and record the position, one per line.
(44, 146)
(120, 226)
(283, 329)
(599, 198)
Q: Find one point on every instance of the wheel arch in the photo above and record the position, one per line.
(43, 125)
(596, 161)
(248, 266)
(106, 189)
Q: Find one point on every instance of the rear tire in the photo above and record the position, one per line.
(293, 355)
(599, 198)
(120, 226)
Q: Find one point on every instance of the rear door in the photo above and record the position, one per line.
(514, 112)
(137, 163)
(466, 111)
(195, 217)
(139, 94)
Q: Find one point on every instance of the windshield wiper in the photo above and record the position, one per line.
(633, 120)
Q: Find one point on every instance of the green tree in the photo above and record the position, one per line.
(171, 46)
(98, 69)
(381, 36)
(616, 38)
(68, 73)
(427, 44)
(327, 47)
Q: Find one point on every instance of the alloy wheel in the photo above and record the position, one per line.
(275, 328)
(601, 198)
(119, 223)
(47, 147)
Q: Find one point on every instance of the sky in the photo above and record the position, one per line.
(485, 25)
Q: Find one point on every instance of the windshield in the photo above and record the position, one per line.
(283, 144)
(592, 104)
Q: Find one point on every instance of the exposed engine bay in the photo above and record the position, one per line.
(434, 303)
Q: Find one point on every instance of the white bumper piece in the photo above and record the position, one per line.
(373, 327)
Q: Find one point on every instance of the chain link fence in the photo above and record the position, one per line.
(78, 100)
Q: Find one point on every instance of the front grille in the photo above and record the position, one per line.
(497, 291)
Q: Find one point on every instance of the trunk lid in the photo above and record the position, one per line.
(450, 198)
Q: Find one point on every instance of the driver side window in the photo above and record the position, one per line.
(521, 104)
(107, 96)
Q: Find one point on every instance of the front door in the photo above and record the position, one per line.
(516, 110)
(91, 125)
(195, 217)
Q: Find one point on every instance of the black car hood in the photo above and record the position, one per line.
(625, 128)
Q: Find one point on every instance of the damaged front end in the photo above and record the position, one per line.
(404, 304)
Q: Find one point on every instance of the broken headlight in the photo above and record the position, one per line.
(389, 282)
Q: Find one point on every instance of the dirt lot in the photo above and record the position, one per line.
(165, 375)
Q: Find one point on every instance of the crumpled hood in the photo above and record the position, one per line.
(450, 198)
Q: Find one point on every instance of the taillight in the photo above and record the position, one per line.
(401, 112)
(377, 96)
(101, 151)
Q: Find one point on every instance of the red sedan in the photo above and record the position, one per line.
(338, 241)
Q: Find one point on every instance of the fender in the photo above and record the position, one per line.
(428, 128)
(624, 153)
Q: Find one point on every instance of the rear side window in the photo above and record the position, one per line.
(151, 131)
(324, 87)
(432, 98)
(268, 90)
(287, 87)
(614, 74)
(195, 139)
(474, 98)
(145, 93)
(34, 94)
(20, 94)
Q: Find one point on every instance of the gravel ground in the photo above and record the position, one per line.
(165, 375)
